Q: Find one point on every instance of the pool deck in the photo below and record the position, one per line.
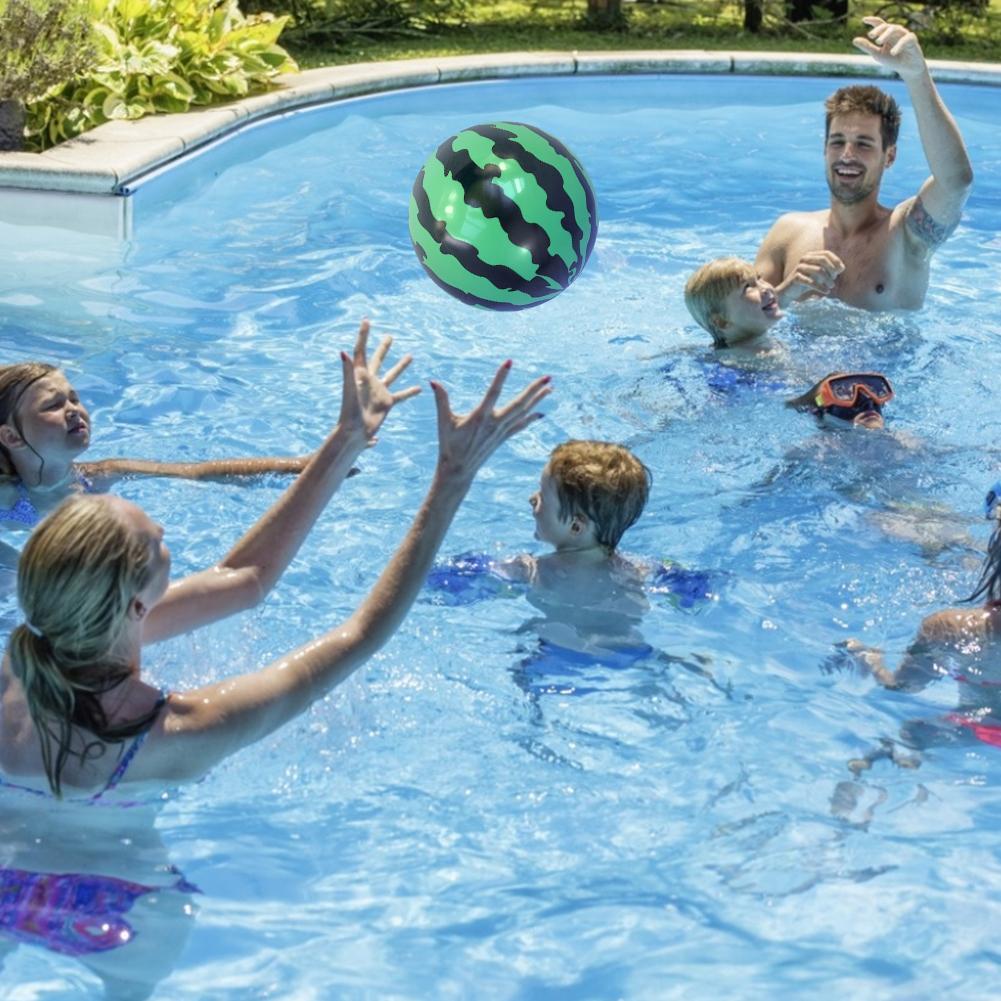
(83, 184)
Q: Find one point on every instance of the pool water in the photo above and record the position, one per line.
(470, 816)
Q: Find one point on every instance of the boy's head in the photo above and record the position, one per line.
(590, 493)
(727, 298)
(847, 399)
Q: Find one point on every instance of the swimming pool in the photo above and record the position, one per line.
(449, 825)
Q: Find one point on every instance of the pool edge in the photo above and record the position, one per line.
(96, 169)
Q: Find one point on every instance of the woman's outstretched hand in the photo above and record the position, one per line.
(368, 397)
(465, 443)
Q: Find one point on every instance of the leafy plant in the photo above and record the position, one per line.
(42, 44)
(162, 56)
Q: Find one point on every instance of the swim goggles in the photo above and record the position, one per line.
(992, 500)
(844, 391)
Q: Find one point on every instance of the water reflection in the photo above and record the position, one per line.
(94, 884)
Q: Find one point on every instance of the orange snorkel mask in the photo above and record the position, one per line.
(845, 390)
(847, 394)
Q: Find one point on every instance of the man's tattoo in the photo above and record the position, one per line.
(931, 233)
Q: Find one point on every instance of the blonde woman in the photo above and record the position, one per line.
(77, 717)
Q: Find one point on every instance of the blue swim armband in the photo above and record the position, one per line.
(466, 579)
(728, 379)
(683, 588)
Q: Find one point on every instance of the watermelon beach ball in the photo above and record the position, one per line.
(503, 216)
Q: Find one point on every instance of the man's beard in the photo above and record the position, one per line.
(849, 195)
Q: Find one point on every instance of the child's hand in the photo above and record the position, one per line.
(367, 398)
(817, 272)
(849, 656)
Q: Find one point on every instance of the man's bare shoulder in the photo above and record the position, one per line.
(791, 221)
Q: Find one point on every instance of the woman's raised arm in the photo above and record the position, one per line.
(199, 728)
(251, 568)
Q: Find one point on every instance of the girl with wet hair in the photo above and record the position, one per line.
(44, 428)
(963, 644)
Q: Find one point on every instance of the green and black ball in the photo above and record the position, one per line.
(503, 216)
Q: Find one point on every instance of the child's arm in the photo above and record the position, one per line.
(919, 666)
(816, 273)
(518, 568)
(106, 472)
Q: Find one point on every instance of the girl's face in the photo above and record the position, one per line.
(50, 419)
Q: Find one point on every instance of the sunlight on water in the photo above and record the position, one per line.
(467, 818)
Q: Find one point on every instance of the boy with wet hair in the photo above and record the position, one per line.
(590, 492)
(591, 599)
(728, 298)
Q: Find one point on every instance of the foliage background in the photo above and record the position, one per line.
(165, 55)
(949, 29)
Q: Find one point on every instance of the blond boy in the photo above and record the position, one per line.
(728, 298)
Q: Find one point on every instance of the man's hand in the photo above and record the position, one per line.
(894, 47)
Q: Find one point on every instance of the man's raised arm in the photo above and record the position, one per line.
(935, 213)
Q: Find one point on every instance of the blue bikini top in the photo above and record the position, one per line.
(24, 511)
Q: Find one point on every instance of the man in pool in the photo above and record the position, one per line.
(886, 251)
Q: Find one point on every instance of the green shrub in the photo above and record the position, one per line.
(162, 56)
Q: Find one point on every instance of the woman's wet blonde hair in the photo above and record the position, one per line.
(76, 578)
(15, 380)
(603, 481)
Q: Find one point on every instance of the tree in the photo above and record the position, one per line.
(603, 14)
(802, 10)
(754, 12)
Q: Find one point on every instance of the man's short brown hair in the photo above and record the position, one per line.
(603, 481)
(865, 100)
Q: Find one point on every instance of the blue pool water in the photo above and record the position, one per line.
(472, 816)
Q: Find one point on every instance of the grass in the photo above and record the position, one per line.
(534, 25)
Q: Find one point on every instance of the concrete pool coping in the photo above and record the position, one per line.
(83, 184)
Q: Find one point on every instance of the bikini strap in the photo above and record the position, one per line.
(133, 748)
(86, 483)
